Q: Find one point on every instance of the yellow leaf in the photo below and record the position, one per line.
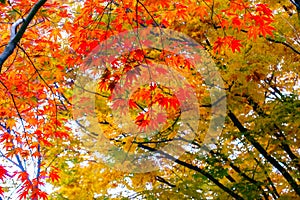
(10, 123)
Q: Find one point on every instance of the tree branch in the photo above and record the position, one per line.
(239, 171)
(261, 150)
(285, 44)
(278, 132)
(160, 179)
(16, 37)
(195, 168)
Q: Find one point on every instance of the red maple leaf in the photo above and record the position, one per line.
(236, 23)
(230, 41)
(61, 134)
(235, 45)
(38, 194)
(120, 105)
(143, 120)
(6, 137)
(224, 23)
(161, 118)
(132, 104)
(3, 173)
(264, 30)
(218, 45)
(264, 9)
(23, 195)
(174, 103)
(1, 191)
(138, 55)
(161, 100)
(53, 175)
(23, 176)
(132, 75)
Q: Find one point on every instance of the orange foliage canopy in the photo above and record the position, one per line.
(36, 79)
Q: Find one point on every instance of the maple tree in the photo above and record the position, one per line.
(51, 52)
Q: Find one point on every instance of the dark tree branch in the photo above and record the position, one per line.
(195, 168)
(274, 193)
(160, 179)
(296, 3)
(285, 44)
(239, 171)
(278, 132)
(16, 37)
(261, 150)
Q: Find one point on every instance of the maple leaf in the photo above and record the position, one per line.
(38, 194)
(161, 100)
(218, 45)
(1, 191)
(61, 134)
(230, 41)
(201, 11)
(138, 55)
(10, 122)
(120, 104)
(264, 9)
(43, 195)
(253, 32)
(132, 104)
(181, 11)
(183, 94)
(132, 75)
(53, 175)
(3, 173)
(165, 23)
(237, 23)
(6, 137)
(235, 45)
(63, 13)
(161, 118)
(23, 194)
(23, 176)
(142, 120)
(29, 99)
(45, 142)
(54, 33)
(266, 30)
(238, 5)
(224, 23)
(174, 102)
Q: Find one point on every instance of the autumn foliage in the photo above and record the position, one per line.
(48, 152)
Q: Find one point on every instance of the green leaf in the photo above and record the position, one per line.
(2, 1)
